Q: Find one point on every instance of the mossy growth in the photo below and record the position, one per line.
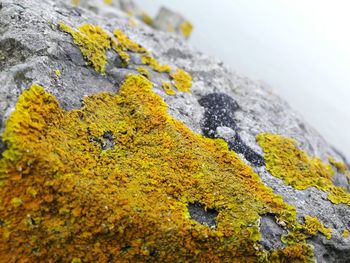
(93, 42)
(182, 80)
(286, 161)
(127, 202)
(186, 29)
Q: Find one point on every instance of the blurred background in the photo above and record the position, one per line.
(301, 49)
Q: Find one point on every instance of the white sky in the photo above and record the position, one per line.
(301, 48)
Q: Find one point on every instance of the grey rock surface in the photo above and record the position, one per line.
(32, 48)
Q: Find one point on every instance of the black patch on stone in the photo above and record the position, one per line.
(219, 111)
(2, 147)
(201, 215)
(106, 142)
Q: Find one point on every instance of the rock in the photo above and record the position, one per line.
(170, 21)
(181, 217)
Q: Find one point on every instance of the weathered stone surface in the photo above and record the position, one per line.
(32, 48)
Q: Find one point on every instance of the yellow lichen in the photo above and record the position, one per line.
(186, 29)
(75, 2)
(16, 202)
(313, 225)
(154, 64)
(168, 88)
(128, 202)
(182, 80)
(58, 73)
(345, 233)
(126, 43)
(340, 166)
(286, 161)
(108, 2)
(93, 42)
(144, 72)
(146, 18)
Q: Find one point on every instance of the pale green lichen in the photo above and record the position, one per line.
(128, 202)
(286, 161)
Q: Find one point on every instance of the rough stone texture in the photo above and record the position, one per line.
(32, 48)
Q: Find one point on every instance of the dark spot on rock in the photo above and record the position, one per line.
(106, 142)
(202, 215)
(153, 253)
(2, 147)
(271, 233)
(0, 6)
(21, 80)
(239, 146)
(35, 250)
(125, 249)
(219, 111)
(12, 52)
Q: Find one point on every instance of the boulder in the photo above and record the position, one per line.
(123, 143)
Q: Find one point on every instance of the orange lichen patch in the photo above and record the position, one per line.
(186, 29)
(345, 233)
(93, 42)
(286, 161)
(126, 202)
(182, 80)
(340, 166)
(298, 253)
(168, 88)
(144, 72)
